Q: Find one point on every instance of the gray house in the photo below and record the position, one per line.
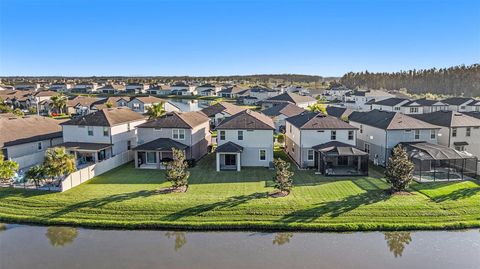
(380, 131)
(189, 131)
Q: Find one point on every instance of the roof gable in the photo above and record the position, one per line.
(248, 120)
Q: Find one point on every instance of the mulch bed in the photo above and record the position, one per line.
(278, 194)
(172, 190)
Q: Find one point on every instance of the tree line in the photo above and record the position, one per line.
(458, 80)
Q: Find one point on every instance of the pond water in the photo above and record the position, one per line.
(30, 247)
(189, 104)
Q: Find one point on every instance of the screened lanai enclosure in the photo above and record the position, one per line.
(440, 163)
(340, 159)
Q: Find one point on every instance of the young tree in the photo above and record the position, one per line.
(155, 111)
(36, 174)
(58, 162)
(177, 170)
(18, 112)
(281, 138)
(399, 172)
(8, 168)
(59, 101)
(283, 176)
(109, 104)
(318, 107)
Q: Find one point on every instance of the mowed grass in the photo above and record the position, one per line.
(128, 198)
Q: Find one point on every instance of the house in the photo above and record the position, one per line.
(316, 140)
(475, 114)
(160, 90)
(337, 92)
(188, 131)
(136, 88)
(363, 100)
(244, 139)
(278, 113)
(289, 97)
(208, 89)
(25, 139)
(458, 130)
(339, 112)
(111, 89)
(61, 87)
(262, 93)
(461, 104)
(390, 104)
(182, 88)
(380, 131)
(84, 88)
(423, 105)
(26, 86)
(231, 92)
(18, 98)
(42, 101)
(81, 105)
(101, 135)
(221, 110)
(141, 104)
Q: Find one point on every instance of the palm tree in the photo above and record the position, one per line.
(156, 111)
(59, 101)
(58, 162)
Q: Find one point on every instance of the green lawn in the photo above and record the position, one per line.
(127, 198)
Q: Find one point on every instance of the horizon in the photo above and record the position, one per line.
(219, 38)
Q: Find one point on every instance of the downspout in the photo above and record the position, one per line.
(301, 148)
(191, 141)
(386, 146)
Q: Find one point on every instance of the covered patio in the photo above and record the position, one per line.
(228, 157)
(154, 154)
(340, 159)
(88, 153)
(440, 163)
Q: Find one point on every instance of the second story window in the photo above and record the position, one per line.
(333, 135)
(178, 134)
(432, 134)
(310, 155)
(240, 135)
(39, 146)
(263, 155)
(454, 132)
(90, 130)
(350, 135)
(361, 128)
(414, 110)
(417, 134)
(128, 127)
(222, 135)
(469, 131)
(105, 131)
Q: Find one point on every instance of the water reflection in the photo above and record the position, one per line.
(180, 239)
(61, 236)
(282, 238)
(397, 242)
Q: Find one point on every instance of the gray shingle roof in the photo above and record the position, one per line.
(220, 107)
(318, 121)
(286, 109)
(291, 97)
(184, 120)
(248, 120)
(424, 102)
(456, 101)
(448, 119)
(229, 147)
(390, 101)
(16, 130)
(106, 117)
(161, 144)
(339, 112)
(336, 148)
(389, 120)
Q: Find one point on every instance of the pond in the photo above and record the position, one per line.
(29, 247)
(187, 105)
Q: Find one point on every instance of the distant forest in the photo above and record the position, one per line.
(457, 80)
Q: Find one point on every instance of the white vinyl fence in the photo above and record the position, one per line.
(30, 159)
(86, 173)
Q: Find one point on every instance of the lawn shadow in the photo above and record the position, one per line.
(22, 193)
(338, 207)
(98, 202)
(457, 195)
(228, 203)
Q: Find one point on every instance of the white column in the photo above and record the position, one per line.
(136, 158)
(238, 162)
(158, 160)
(218, 161)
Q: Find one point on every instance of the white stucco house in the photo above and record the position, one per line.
(462, 104)
(244, 139)
(289, 97)
(102, 134)
(221, 110)
(280, 112)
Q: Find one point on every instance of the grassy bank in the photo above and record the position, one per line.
(127, 198)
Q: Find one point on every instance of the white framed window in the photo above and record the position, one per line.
(366, 148)
(417, 134)
(290, 128)
(397, 108)
(350, 135)
(433, 134)
(136, 106)
(454, 132)
(178, 134)
(469, 131)
(105, 131)
(333, 135)
(222, 135)
(39, 146)
(240, 135)
(361, 128)
(263, 155)
(129, 145)
(310, 155)
(151, 157)
(129, 127)
(90, 130)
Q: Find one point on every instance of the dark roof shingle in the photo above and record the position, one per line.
(106, 117)
(184, 120)
(318, 121)
(248, 120)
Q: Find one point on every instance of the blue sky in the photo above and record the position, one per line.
(328, 38)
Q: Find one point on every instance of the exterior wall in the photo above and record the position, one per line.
(74, 133)
(146, 135)
(135, 102)
(120, 135)
(252, 143)
(473, 140)
(28, 154)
